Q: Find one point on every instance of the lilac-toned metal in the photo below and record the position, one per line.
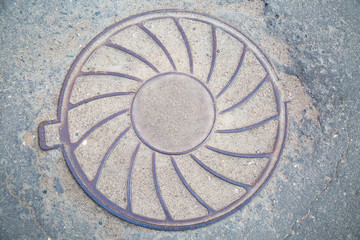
(89, 185)
(247, 97)
(110, 44)
(96, 178)
(247, 187)
(128, 208)
(240, 155)
(213, 31)
(159, 43)
(191, 65)
(110, 74)
(202, 202)
(71, 106)
(76, 144)
(243, 129)
(235, 74)
(158, 192)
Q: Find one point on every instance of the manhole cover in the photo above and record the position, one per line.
(170, 120)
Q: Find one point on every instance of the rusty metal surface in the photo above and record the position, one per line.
(182, 147)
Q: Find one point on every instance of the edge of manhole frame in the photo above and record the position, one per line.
(267, 172)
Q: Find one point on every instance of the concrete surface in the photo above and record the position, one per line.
(314, 193)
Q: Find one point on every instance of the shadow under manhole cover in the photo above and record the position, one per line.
(170, 120)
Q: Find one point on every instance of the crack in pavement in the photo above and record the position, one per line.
(310, 214)
(24, 203)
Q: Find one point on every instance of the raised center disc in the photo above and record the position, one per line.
(173, 113)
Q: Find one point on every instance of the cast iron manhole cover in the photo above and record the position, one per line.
(170, 120)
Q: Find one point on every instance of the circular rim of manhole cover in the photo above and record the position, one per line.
(68, 147)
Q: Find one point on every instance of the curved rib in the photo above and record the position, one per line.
(128, 207)
(167, 214)
(241, 155)
(109, 44)
(286, 127)
(277, 97)
(76, 144)
(71, 105)
(248, 97)
(181, 30)
(213, 54)
(111, 74)
(247, 187)
(210, 210)
(235, 130)
(235, 73)
(159, 43)
(94, 181)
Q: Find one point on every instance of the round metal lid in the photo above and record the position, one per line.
(170, 120)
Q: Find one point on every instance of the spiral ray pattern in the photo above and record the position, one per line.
(172, 120)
